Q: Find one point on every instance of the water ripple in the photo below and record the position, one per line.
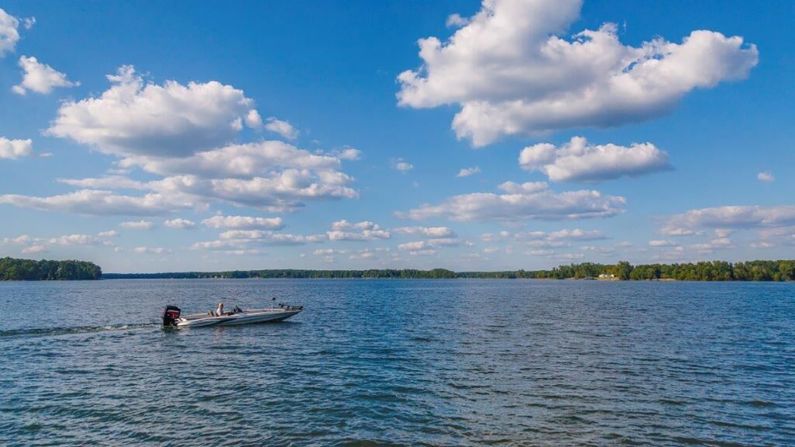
(372, 363)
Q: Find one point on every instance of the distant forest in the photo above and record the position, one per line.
(28, 270)
(783, 270)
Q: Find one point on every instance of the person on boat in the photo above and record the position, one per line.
(219, 311)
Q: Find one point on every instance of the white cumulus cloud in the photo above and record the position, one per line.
(466, 172)
(771, 237)
(253, 119)
(661, 243)
(236, 240)
(369, 253)
(21, 239)
(455, 20)
(107, 182)
(14, 149)
(766, 176)
(342, 230)
(35, 249)
(9, 31)
(34, 245)
(182, 133)
(283, 191)
(544, 239)
(433, 232)
(244, 222)
(98, 202)
(134, 117)
(329, 252)
(349, 153)
(281, 127)
(138, 225)
(151, 250)
(730, 217)
(79, 239)
(428, 244)
(520, 202)
(179, 224)
(40, 78)
(512, 71)
(270, 174)
(402, 165)
(578, 160)
(237, 161)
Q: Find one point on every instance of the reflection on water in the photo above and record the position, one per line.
(400, 362)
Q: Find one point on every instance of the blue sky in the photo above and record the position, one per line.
(316, 135)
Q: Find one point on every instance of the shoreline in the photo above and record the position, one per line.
(711, 271)
(666, 280)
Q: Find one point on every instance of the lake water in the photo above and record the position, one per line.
(400, 362)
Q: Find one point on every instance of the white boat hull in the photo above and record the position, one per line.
(246, 317)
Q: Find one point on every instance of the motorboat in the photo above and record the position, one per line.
(172, 316)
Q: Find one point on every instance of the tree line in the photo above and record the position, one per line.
(29, 270)
(782, 270)
(294, 273)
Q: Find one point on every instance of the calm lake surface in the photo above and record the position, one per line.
(400, 362)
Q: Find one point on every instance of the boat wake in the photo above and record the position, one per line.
(52, 331)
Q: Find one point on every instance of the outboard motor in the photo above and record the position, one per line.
(170, 316)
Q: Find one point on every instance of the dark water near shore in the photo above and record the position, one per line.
(409, 362)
